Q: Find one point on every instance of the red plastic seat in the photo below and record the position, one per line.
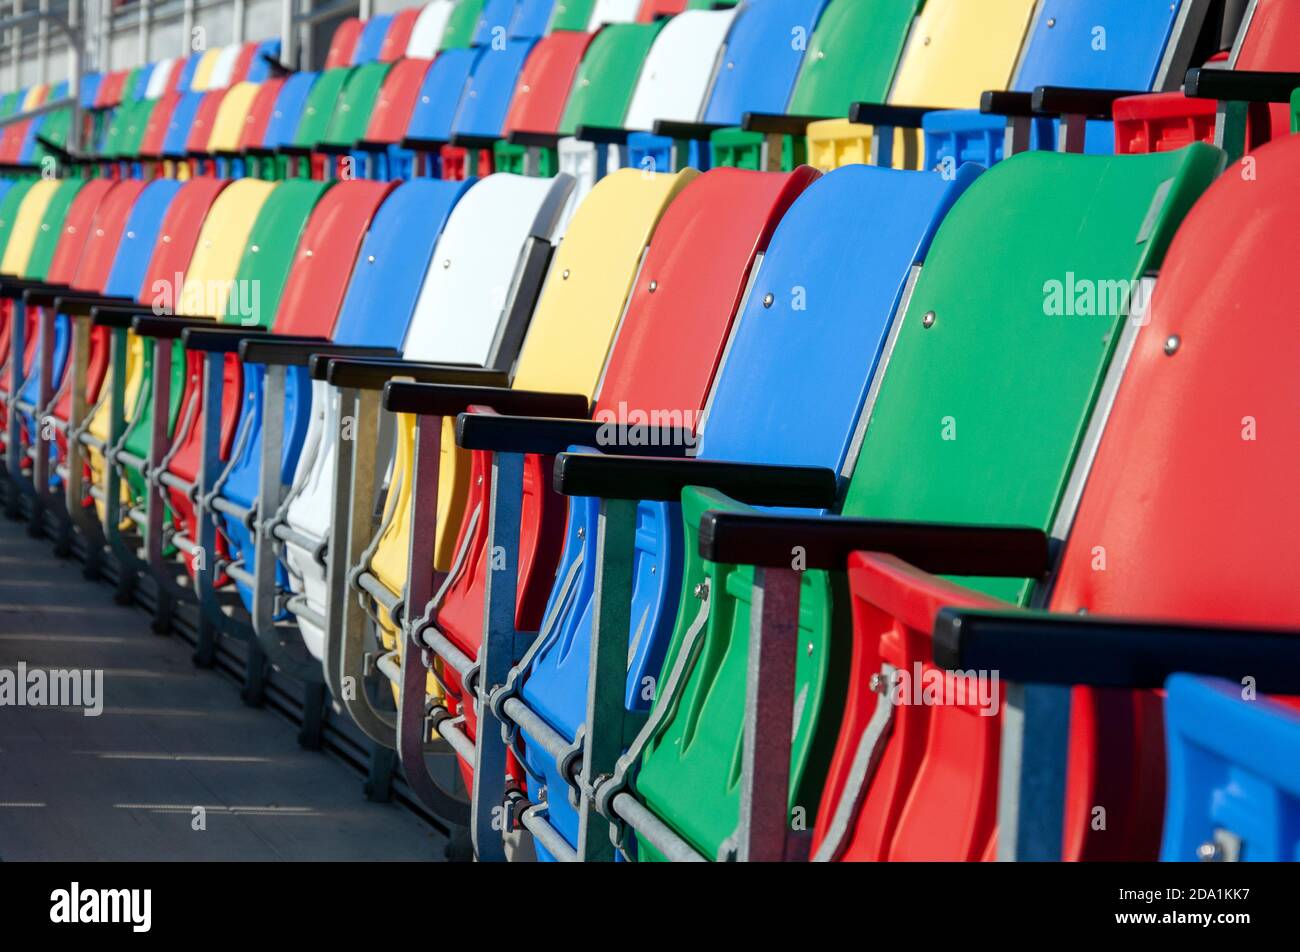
(259, 113)
(544, 83)
(155, 130)
(652, 10)
(344, 43)
(399, 35)
(110, 89)
(1164, 121)
(247, 53)
(396, 100)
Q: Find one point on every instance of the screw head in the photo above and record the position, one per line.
(1051, 22)
(1172, 343)
(565, 276)
(446, 263)
(769, 300)
(928, 321)
(654, 286)
(1207, 852)
(582, 533)
(875, 683)
(702, 590)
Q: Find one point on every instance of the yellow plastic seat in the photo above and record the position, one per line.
(202, 80)
(956, 51)
(228, 127)
(27, 225)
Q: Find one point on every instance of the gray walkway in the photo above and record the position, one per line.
(125, 785)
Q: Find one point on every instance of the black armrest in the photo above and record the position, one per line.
(1238, 85)
(463, 140)
(294, 151)
(602, 135)
(995, 102)
(826, 542)
(370, 145)
(16, 288)
(776, 124)
(58, 151)
(417, 144)
(531, 140)
(333, 148)
(549, 436)
(376, 374)
(1043, 648)
(170, 327)
(76, 304)
(197, 156)
(216, 339)
(887, 116)
(1074, 101)
(656, 479)
(694, 131)
(435, 399)
(259, 152)
(276, 350)
(120, 315)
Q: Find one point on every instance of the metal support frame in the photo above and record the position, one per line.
(76, 47)
(79, 514)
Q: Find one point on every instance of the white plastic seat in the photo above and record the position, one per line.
(224, 69)
(678, 71)
(612, 11)
(159, 78)
(461, 309)
(430, 25)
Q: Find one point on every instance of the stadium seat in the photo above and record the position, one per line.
(427, 33)
(911, 780)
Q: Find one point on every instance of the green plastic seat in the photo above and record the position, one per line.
(462, 25)
(348, 124)
(979, 415)
(51, 229)
(318, 112)
(571, 15)
(9, 204)
(851, 57)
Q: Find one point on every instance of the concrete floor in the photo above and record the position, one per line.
(172, 738)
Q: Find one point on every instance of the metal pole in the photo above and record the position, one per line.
(145, 25)
(238, 29)
(288, 33)
(105, 50)
(187, 28)
(43, 44)
(16, 48)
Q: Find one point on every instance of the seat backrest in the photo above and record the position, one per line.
(396, 101)
(104, 237)
(762, 58)
(205, 119)
(318, 110)
(259, 70)
(243, 62)
(231, 119)
(835, 74)
(343, 44)
(441, 94)
(462, 25)
(50, 230)
(390, 270)
(1021, 372)
(651, 10)
(201, 81)
(177, 238)
(494, 22)
(462, 305)
(323, 261)
(352, 114)
(136, 82)
(371, 40)
(75, 229)
(289, 107)
(26, 230)
(183, 75)
(268, 254)
(819, 314)
(258, 118)
(426, 35)
(607, 76)
(679, 316)
(544, 83)
(160, 78)
(398, 37)
(957, 50)
(590, 279)
(487, 96)
(531, 18)
(11, 203)
(1270, 42)
(139, 235)
(223, 70)
(180, 123)
(679, 68)
(612, 11)
(155, 130)
(211, 272)
(109, 91)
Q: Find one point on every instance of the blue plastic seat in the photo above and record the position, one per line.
(260, 70)
(487, 96)
(372, 39)
(178, 130)
(289, 105)
(531, 19)
(495, 22)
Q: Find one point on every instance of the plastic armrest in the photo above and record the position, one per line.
(883, 114)
(14, 288)
(170, 327)
(1006, 103)
(549, 436)
(466, 140)
(76, 304)
(294, 150)
(119, 315)
(450, 399)
(376, 374)
(1078, 101)
(419, 144)
(770, 123)
(603, 135)
(333, 148)
(370, 145)
(692, 131)
(1241, 85)
(1043, 648)
(540, 140)
(662, 480)
(215, 339)
(273, 350)
(827, 542)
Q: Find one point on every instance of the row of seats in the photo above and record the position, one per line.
(657, 542)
